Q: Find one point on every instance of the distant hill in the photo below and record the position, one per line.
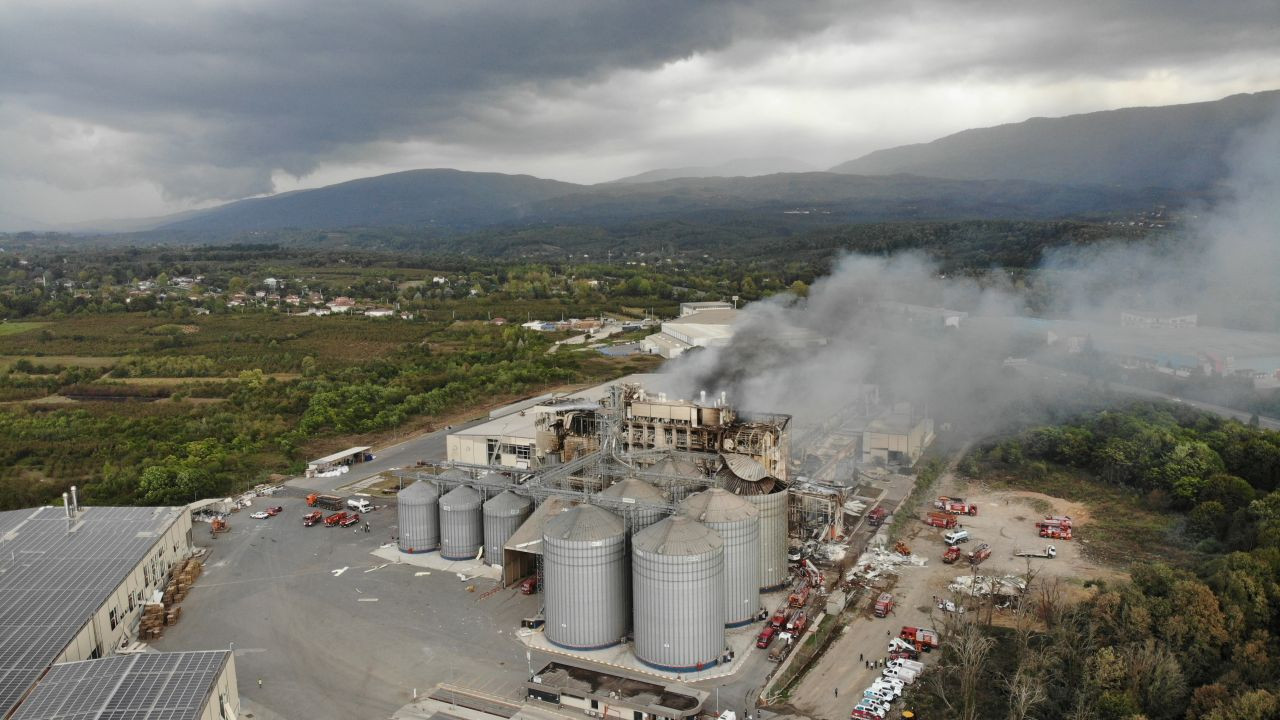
(455, 200)
(1176, 146)
(745, 167)
(443, 198)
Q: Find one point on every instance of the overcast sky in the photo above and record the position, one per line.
(131, 108)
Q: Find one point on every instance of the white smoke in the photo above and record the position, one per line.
(1223, 263)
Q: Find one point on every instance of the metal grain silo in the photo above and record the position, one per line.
(738, 524)
(461, 528)
(636, 501)
(585, 580)
(677, 572)
(503, 515)
(419, 524)
(773, 537)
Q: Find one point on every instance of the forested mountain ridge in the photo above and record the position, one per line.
(1185, 147)
(454, 200)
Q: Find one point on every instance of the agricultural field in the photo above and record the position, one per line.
(15, 328)
(138, 408)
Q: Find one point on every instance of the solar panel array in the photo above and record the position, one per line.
(55, 575)
(150, 686)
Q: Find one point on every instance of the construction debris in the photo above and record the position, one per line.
(989, 585)
(877, 561)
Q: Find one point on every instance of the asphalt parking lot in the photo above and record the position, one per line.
(350, 644)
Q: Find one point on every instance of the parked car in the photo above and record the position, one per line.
(260, 515)
(875, 711)
(273, 511)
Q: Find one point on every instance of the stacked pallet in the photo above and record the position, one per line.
(153, 621)
(180, 582)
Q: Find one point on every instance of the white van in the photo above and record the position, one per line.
(360, 505)
(913, 665)
(955, 537)
(900, 673)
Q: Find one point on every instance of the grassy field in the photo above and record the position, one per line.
(272, 342)
(15, 328)
(89, 361)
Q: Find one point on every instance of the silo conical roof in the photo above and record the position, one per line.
(584, 523)
(677, 535)
(460, 498)
(635, 489)
(718, 506)
(419, 493)
(676, 467)
(507, 503)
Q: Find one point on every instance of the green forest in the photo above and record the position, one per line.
(1193, 633)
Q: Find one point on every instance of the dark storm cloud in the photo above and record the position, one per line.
(231, 87)
(209, 98)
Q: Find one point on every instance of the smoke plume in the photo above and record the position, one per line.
(1222, 263)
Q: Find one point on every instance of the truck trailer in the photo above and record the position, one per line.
(1048, 551)
(328, 502)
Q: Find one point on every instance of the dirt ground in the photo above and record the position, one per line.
(1006, 522)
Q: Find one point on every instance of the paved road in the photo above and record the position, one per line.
(352, 645)
(1051, 374)
(427, 446)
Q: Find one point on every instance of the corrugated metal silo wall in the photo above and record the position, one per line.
(741, 569)
(773, 538)
(419, 526)
(498, 528)
(636, 516)
(679, 609)
(586, 590)
(461, 532)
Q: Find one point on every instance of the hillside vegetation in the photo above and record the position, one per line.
(1181, 146)
(1194, 634)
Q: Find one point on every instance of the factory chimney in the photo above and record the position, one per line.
(66, 503)
(75, 501)
(702, 397)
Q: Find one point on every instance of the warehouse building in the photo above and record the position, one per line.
(73, 583)
(510, 437)
(898, 437)
(702, 329)
(689, 308)
(142, 686)
(605, 695)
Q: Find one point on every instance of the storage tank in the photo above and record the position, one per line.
(677, 571)
(585, 581)
(461, 528)
(737, 522)
(773, 537)
(419, 524)
(634, 501)
(503, 515)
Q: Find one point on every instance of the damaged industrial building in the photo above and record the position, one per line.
(627, 508)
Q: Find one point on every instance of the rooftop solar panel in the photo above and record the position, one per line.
(151, 686)
(55, 574)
